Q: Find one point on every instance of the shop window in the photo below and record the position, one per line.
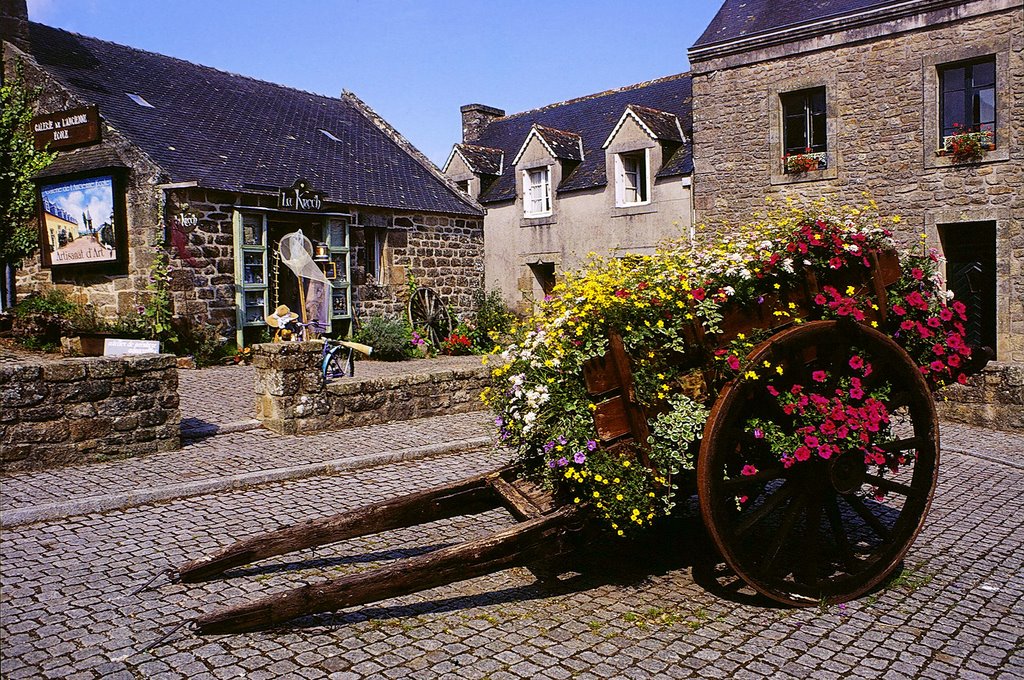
(537, 192)
(631, 181)
(970, 251)
(804, 126)
(967, 97)
(376, 247)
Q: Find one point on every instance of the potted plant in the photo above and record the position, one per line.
(965, 145)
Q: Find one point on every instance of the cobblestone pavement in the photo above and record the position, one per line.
(234, 454)
(957, 610)
(223, 396)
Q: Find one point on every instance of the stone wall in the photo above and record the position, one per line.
(881, 86)
(440, 252)
(993, 398)
(58, 412)
(291, 398)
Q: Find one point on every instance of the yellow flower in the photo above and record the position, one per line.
(597, 495)
(625, 463)
(618, 497)
(750, 375)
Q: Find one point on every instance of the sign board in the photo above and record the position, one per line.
(115, 347)
(79, 221)
(300, 197)
(62, 129)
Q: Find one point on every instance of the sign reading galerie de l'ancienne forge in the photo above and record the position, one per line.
(62, 129)
(300, 197)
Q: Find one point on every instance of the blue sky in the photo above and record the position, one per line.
(414, 62)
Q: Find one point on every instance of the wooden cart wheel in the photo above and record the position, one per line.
(817, 530)
(428, 311)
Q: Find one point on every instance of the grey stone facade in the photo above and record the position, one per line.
(881, 85)
(81, 410)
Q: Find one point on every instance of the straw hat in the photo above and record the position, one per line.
(281, 317)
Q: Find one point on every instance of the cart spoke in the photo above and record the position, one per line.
(890, 485)
(858, 505)
(835, 521)
(787, 491)
(901, 444)
(791, 514)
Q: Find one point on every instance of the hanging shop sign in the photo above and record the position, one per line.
(300, 197)
(82, 221)
(63, 129)
(186, 222)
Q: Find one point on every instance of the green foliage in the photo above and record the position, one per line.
(390, 338)
(158, 308)
(19, 162)
(492, 320)
(54, 301)
(202, 341)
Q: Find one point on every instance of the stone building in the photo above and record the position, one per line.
(218, 167)
(868, 95)
(607, 173)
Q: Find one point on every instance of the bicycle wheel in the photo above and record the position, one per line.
(338, 363)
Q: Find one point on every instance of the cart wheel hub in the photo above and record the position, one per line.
(847, 473)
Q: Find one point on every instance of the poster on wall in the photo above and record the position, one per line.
(79, 221)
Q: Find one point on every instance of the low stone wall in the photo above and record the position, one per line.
(58, 412)
(291, 399)
(993, 398)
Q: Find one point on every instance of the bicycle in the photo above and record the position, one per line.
(337, 359)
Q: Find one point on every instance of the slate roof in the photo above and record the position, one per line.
(592, 118)
(663, 124)
(481, 159)
(563, 144)
(231, 132)
(743, 18)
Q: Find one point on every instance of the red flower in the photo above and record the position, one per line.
(697, 293)
(917, 273)
(835, 263)
(898, 310)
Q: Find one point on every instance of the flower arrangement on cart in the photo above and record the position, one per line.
(543, 410)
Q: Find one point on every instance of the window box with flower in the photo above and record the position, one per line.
(798, 164)
(966, 145)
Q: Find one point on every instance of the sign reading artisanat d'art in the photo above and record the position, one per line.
(300, 197)
(71, 127)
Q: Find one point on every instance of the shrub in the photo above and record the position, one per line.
(390, 338)
(492, 321)
(54, 301)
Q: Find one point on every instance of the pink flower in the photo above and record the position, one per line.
(937, 365)
(758, 433)
(733, 362)
(917, 273)
(953, 360)
(856, 362)
(802, 453)
(811, 442)
(819, 376)
(946, 314)
(772, 391)
(697, 293)
(938, 349)
(820, 299)
(748, 470)
(856, 393)
(825, 451)
(898, 310)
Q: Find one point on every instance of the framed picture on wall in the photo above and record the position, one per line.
(82, 221)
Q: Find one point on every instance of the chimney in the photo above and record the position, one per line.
(475, 117)
(14, 23)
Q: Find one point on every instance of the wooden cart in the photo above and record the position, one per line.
(799, 535)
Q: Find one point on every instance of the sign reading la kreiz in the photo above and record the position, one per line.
(300, 197)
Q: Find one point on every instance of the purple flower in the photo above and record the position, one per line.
(561, 440)
(579, 458)
(591, 445)
(758, 433)
(548, 447)
(551, 464)
(760, 299)
(499, 421)
(563, 461)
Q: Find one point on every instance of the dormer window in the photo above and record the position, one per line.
(537, 192)
(631, 185)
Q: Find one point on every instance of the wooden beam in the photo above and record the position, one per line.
(545, 536)
(466, 497)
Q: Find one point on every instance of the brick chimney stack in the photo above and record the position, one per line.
(475, 117)
(14, 23)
